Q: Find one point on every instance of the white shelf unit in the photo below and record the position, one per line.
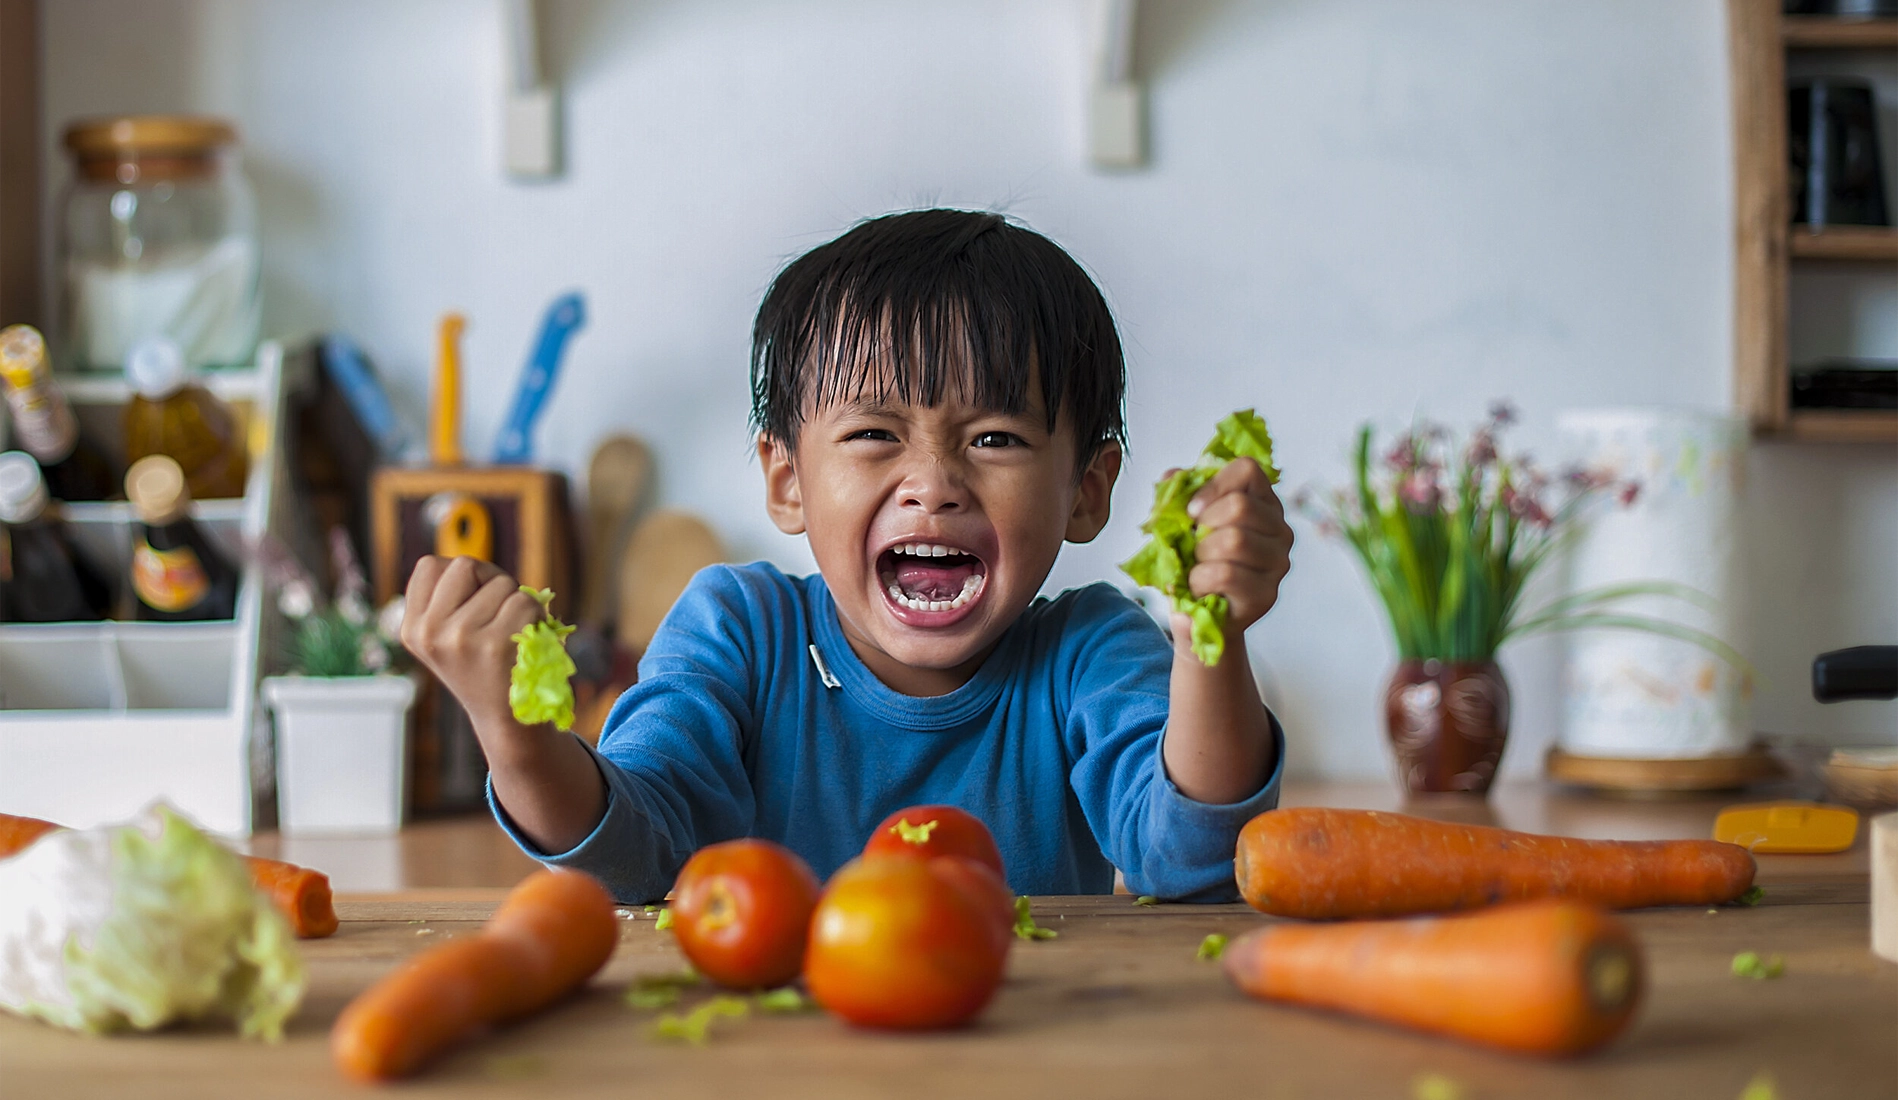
(97, 720)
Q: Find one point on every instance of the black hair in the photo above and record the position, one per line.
(905, 305)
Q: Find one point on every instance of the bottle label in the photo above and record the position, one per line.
(168, 580)
(44, 423)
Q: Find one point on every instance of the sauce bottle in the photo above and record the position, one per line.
(42, 579)
(43, 421)
(178, 575)
(171, 415)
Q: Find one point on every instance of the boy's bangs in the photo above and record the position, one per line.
(918, 307)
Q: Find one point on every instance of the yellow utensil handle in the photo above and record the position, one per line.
(445, 429)
(465, 531)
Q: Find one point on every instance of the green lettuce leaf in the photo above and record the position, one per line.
(134, 928)
(1168, 555)
(539, 688)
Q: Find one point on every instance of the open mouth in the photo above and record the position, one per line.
(930, 578)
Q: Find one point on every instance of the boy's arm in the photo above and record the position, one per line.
(1219, 745)
(459, 622)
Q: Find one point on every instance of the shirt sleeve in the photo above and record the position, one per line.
(1163, 842)
(672, 754)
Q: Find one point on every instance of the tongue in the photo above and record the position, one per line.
(933, 581)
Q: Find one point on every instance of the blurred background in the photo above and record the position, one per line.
(1344, 211)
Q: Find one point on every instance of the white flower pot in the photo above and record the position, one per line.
(341, 752)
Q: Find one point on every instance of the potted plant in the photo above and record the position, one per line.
(1449, 536)
(341, 714)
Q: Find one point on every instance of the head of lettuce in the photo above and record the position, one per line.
(141, 925)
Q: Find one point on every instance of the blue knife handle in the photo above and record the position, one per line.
(516, 443)
(344, 363)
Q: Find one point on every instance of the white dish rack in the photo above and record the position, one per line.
(99, 719)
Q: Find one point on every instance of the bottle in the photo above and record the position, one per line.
(171, 415)
(74, 467)
(177, 574)
(42, 579)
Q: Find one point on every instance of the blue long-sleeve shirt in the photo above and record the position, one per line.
(735, 729)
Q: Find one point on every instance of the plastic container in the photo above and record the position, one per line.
(341, 752)
(157, 237)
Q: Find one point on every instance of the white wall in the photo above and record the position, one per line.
(1356, 208)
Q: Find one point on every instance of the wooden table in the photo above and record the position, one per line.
(1117, 1006)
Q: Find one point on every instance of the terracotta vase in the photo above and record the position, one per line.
(1447, 721)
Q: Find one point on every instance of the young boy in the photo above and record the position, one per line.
(938, 398)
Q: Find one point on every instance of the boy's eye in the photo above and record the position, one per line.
(877, 434)
(998, 439)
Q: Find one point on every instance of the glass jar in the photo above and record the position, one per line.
(158, 238)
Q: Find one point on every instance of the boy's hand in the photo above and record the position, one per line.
(459, 621)
(1245, 549)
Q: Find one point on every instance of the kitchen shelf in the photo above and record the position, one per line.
(1845, 242)
(1765, 242)
(1841, 426)
(1822, 32)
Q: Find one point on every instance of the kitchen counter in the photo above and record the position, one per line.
(1116, 1006)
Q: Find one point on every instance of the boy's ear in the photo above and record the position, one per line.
(782, 496)
(1094, 498)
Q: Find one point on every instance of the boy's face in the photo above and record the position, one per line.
(934, 527)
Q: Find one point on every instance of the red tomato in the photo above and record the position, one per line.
(976, 878)
(925, 831)
(742, 912)
(906, 943)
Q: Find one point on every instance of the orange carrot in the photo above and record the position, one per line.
(554, 930)
(301, 894)
(18, 832)
(1320, 864)
(1546, 977)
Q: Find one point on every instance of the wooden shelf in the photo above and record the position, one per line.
(1845, 242)
(1822, 32)
(1841, 426)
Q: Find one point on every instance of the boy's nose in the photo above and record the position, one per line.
(933, 489)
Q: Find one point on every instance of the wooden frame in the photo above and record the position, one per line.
(20, 163)
(1764, 240)
(532, 542)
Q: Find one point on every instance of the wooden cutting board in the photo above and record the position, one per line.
(665, 550)
(617, 478)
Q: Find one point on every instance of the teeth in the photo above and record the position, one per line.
(971, 588)
(925, 550)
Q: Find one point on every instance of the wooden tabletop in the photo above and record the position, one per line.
(1116, 1006)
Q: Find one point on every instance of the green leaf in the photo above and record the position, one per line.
(914, 834)
(1748, 964)
(660, 990)
(1025, 926)
(663, 922)
(783, 1001)
(1166, 560)
(1751, 897)
(1147, 900)
(539, 688)
(1213, 946)
(695, 1027)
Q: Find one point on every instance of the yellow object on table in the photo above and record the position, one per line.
(1787, 827)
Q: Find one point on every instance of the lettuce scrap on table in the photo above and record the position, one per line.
(1168, 556)
(137, 926)
(539, 688)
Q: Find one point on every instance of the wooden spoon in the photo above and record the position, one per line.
(616, 483)
(666, 549)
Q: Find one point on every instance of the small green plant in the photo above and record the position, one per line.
(342, 637)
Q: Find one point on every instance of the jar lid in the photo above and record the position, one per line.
(136, 135)
(156, 487)
(156, 367)
(22, 355)
(22, 489)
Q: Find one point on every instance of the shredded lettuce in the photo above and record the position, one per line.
(695, 1027)
(538, 689)
(1147, 900)
(1749, 964)
(137, 926)
(1168, 556)
(914, 834)
(1213, 946)
(786, 999)
(1025, 926)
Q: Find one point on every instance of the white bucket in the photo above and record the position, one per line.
(341, 752)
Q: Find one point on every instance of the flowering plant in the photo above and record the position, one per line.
(1450, 536)
(345, 638)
